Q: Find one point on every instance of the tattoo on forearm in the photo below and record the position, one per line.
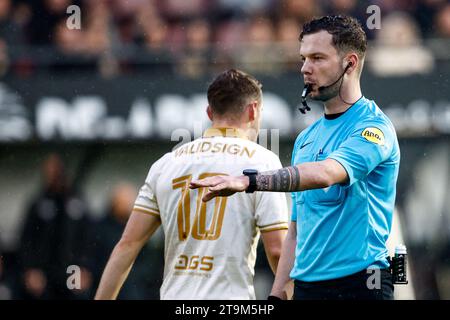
(282, 180)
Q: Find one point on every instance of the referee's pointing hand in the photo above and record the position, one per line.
(222, 186)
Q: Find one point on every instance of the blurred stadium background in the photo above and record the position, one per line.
(99, 105)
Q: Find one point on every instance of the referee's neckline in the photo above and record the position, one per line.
(334, 116)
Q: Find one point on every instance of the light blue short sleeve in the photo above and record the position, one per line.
(369, 145)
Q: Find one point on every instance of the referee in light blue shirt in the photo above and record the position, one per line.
(342, 177)
(343, 229)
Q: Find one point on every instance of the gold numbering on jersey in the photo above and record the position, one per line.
(374, 135)
(204, 263)
(199, 229)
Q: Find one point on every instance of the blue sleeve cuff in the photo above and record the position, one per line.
(347, 168)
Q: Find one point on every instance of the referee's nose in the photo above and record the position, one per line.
(306, 68)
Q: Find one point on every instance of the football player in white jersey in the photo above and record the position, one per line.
(210, 248)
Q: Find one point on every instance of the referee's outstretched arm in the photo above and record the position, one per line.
(305, 176)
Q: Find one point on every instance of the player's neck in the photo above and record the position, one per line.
(220, 124)
(349, 95)
(242, 129)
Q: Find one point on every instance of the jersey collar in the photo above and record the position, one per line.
(334, 118)
(225, 132)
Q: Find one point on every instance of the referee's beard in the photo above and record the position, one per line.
(328, 93)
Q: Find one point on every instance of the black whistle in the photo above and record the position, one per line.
(306, 90)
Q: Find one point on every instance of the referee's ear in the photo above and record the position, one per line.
(352, 63)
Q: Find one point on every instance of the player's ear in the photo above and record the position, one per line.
(209, 113)
(252, 111)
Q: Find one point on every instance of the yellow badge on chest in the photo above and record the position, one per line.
(374, 135)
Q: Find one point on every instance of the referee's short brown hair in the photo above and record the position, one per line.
(346, 31)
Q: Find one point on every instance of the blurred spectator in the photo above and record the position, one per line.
(198, 35)
(22, 15)
(68, 41)
(70, 51)
(287, 38)
(5, 287)
(82, 49)
(194, 60)
(257, 54)
(443, 22)
(11, 34)
(182, 10)
(54, 237)
(128, 7)
(388, 6)
(156, 34)
(302, 11)
(352, 8)
(126, 29)
(154, 29)
(45, 16)
(425, 12)
(145, 278)
(4, 58)
(228, 35)
(96, 33)
(346, 7)
(238, 8)
(10, 31)
(129, 36)
(398, 48)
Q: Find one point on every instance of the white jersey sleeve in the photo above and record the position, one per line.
(271, 210)
(146, 200)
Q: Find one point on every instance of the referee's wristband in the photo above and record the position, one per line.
(273, 298)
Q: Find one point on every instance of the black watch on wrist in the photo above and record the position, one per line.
(251, 174)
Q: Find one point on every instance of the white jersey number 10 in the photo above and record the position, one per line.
(199, 229)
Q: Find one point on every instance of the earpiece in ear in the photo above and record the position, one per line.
(348, 65)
